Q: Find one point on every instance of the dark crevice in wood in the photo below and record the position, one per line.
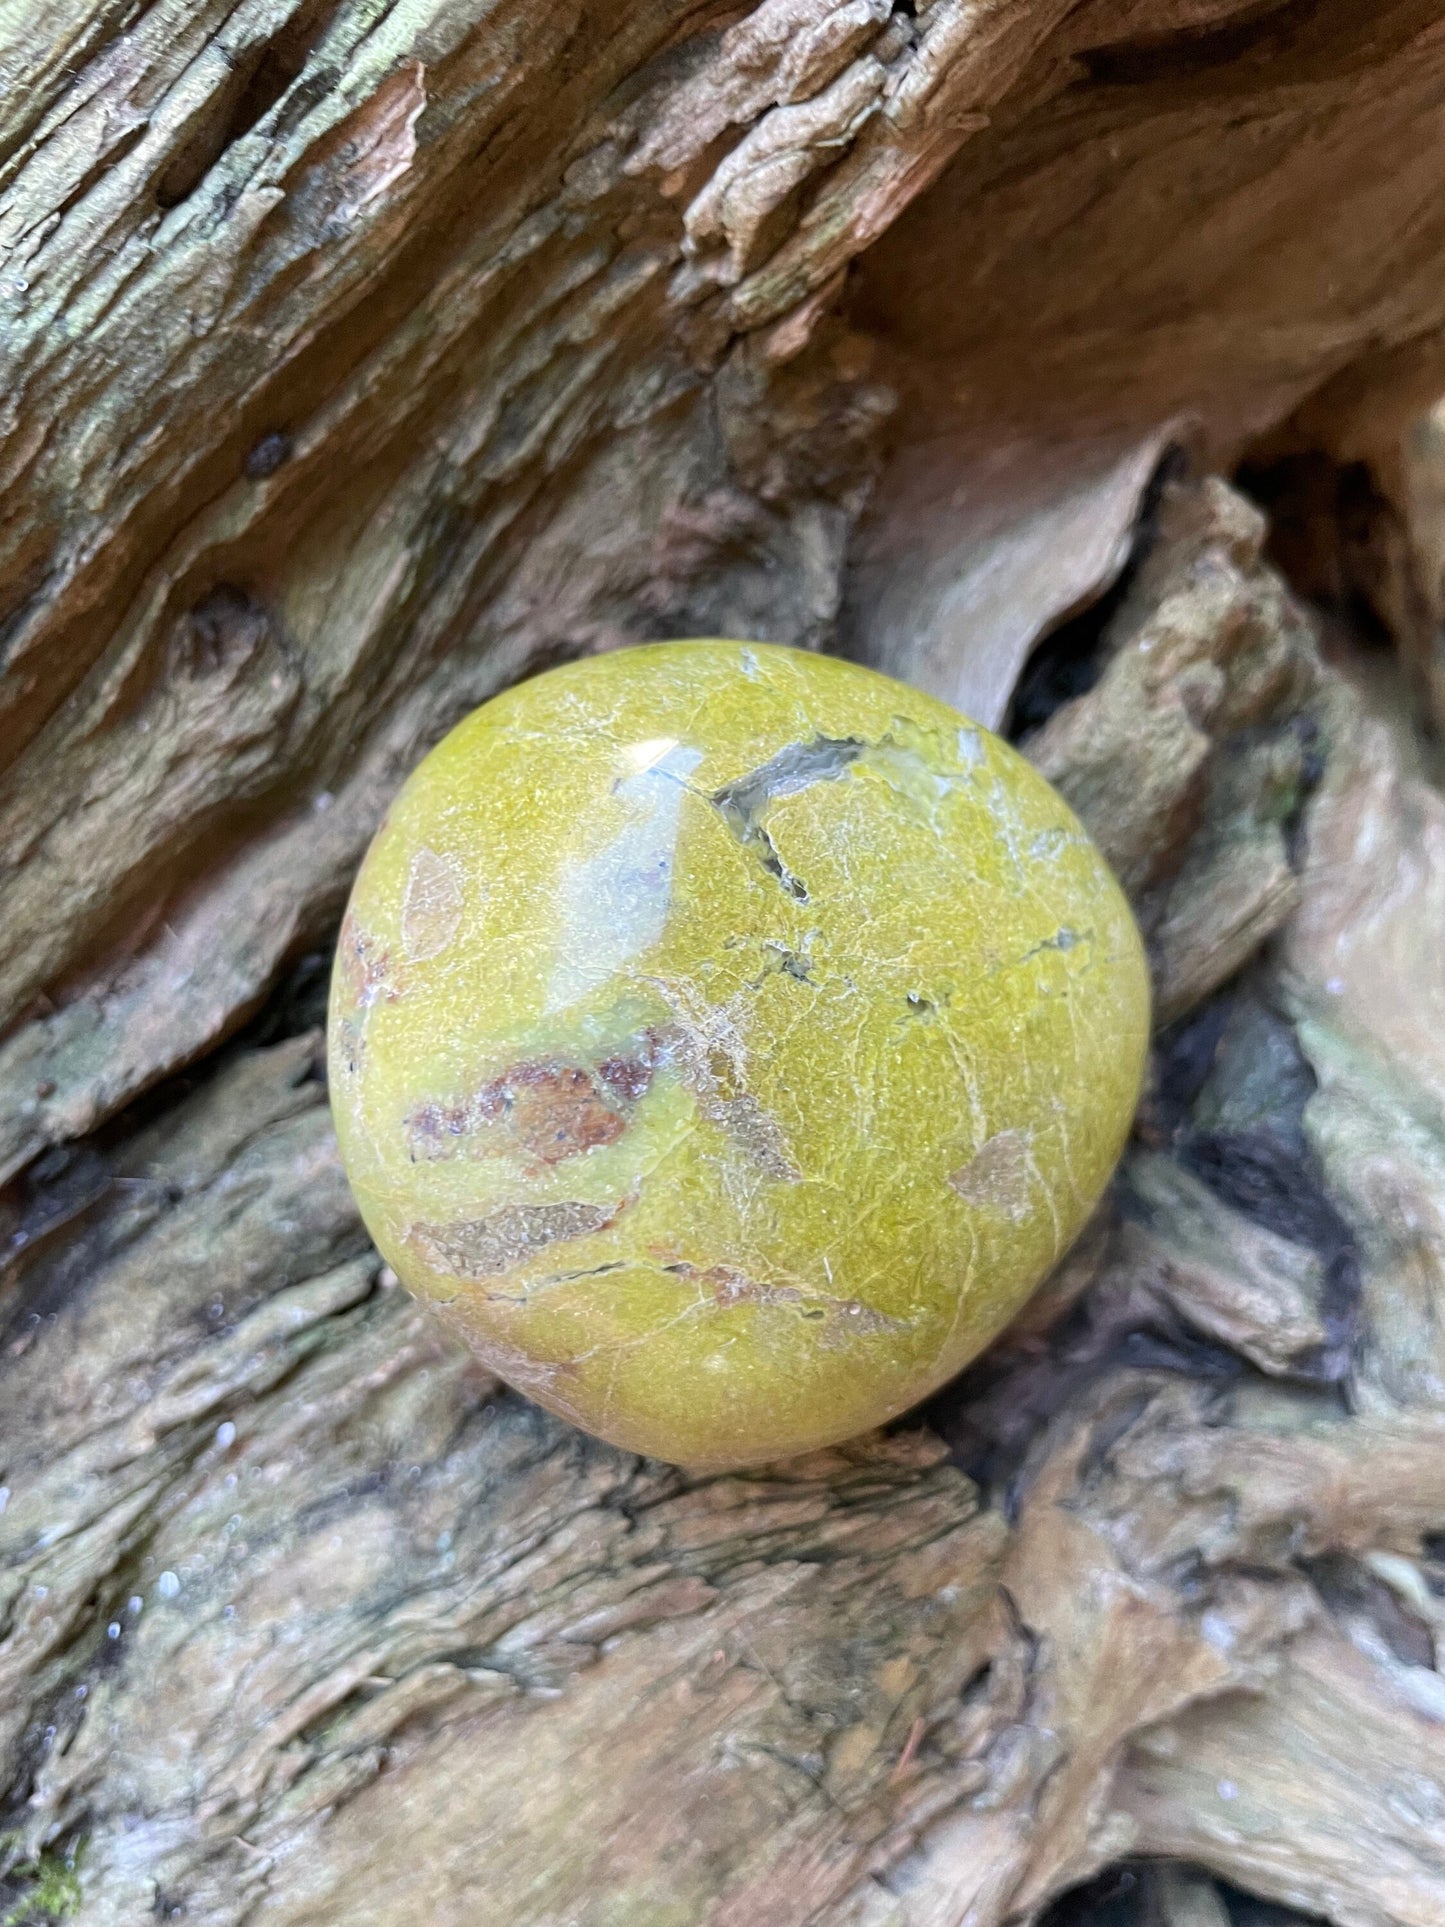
(1124, 1896)
(259, 81)
(297, 1004)
(58, 1213)
(1263, 32)
(1351, 1591)
(1282, 1190)
(1183, 1058)
(1248, 1910)
(1200, 1106)
(1328, 521)
(1069, 660)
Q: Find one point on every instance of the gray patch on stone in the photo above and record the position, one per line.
(477, 1248)
(997, 1177)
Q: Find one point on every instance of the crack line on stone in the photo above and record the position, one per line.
(743, 802)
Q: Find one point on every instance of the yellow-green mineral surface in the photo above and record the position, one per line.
(726, 1041)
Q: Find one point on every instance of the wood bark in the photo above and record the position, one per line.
(361, 357)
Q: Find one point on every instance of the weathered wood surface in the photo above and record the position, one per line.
(360, 357)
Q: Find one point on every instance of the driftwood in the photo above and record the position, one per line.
(363, 357)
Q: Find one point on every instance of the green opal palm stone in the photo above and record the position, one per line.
(726, 1041)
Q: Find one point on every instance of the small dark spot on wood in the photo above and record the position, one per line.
(269, 454)
(975, 1688)
(1311, 775)
(223, 631)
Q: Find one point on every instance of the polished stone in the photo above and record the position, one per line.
(727, 1040)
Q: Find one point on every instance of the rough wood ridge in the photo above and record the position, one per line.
(359, 357)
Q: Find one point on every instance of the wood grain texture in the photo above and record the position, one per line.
(359, 358)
